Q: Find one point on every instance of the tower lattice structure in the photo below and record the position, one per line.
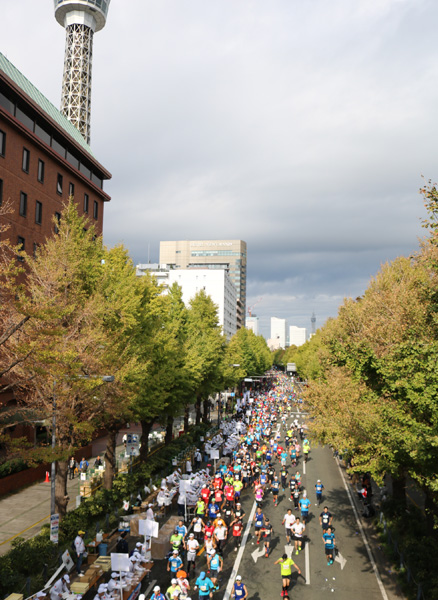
(313, 321)
(81, 19)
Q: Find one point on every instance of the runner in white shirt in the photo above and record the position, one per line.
(288, 521)
(192, 547)
(298, 529)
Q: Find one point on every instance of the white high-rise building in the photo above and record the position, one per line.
(297, 335)
(252, 323)
(278, 332)
(215, 282)
(229, 255)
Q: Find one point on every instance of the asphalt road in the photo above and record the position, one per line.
(354, 574)
(351, 576)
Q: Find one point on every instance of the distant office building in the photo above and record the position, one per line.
(297, 335)
(229, 255)
(252, 323)
(215, 282)
(278, 331)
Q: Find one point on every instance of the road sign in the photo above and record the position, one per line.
(54, 528)
(132, 445)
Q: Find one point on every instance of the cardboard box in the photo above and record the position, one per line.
(79, 587)
(15, 597)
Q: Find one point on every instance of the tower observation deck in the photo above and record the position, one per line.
(80, 19)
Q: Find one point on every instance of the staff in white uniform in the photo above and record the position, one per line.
(60, 587)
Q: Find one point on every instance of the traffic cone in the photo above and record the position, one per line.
(47, 479)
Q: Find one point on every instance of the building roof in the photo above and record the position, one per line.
(28, 88)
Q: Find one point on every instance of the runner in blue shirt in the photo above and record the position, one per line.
(174, 563)
(213, 509)
(329, 543)
(304, 506)
(275, 487)
(258, 523)
(283, 457)
(318, 489)
(239, 589)
(205, 586)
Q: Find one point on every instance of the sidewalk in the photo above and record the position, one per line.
(23, 513)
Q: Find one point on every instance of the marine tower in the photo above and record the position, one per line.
(80, 19)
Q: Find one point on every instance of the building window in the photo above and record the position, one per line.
(38, 212)
(40, 170)
(26, 160)
(2, 143)
(59, 184)
(35, 249)
(95, 210)
(1, 192)
(57, 221)
(86, 203)
(21, 245)
(23, 204)
(71, 190)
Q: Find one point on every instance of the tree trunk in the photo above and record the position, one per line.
(169, 430)
(110, 459)
(186, 418)
(430, 509)
(399, 489)
(61, 497)
(146, 427)
(198, 409)
(206, 405)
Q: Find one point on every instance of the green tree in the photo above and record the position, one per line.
(205, 350)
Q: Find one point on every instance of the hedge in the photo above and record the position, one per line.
(9, 467)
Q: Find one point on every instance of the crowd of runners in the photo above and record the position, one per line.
(272, 447)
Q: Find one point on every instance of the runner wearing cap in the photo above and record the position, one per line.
(216, 565)
(267, 534)
(318, 491)
(172, 589)
(239, 589)
(157, 595)
(205, 586)
(192, 546)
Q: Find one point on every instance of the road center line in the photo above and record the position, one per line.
(307, 562)
(239, 554)
(362, 532)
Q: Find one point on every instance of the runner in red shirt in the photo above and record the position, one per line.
(237, 529)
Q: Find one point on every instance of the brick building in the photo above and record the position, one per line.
(43, 160)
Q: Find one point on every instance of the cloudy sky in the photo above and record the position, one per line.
(300, 126)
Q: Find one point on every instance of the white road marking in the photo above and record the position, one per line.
(307, 562)
(340, 559)
(239, 554)
(365, 541)
(150, 587)
(258, 553)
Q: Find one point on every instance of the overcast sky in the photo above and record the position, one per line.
(300, 126)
